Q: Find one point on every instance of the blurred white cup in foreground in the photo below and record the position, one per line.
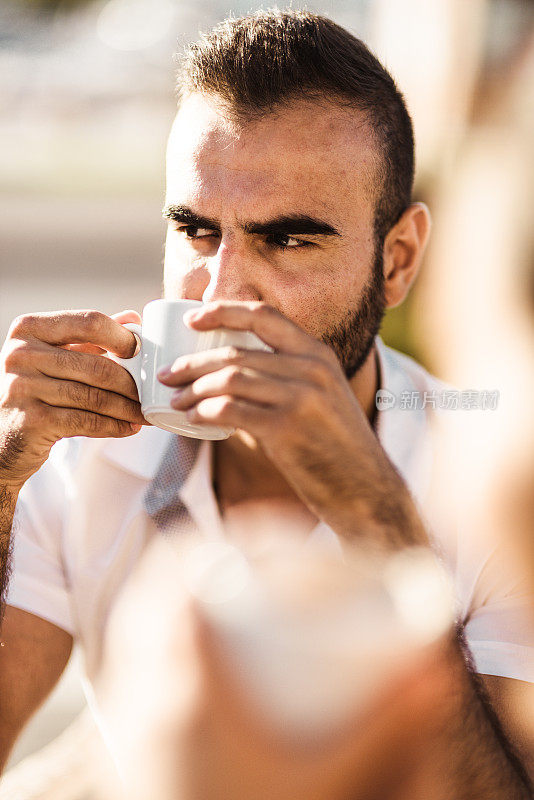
(312, 636)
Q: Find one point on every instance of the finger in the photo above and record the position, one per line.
(85, 348)
(71, 394)
(190, 367)
(122, 317)
(76, 422)
(265, 321)
(238, 383)
(231, 412)
(94, 370)
(76, 327)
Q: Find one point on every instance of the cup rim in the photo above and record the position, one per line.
(165, 301)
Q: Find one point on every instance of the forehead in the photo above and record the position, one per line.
(309, 155)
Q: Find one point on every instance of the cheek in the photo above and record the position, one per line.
(185, 275)
(322, 297)
(316, 301)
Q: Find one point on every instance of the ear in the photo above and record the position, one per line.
(404, 246)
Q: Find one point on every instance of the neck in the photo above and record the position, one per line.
(365, 384)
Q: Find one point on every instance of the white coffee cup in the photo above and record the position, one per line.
(163, 337)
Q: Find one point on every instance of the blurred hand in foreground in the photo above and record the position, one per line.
(182, 725)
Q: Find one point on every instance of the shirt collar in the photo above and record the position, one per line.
(404, 431)
(140, 454)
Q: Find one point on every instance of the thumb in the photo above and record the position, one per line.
(127, 316)
(121, 317)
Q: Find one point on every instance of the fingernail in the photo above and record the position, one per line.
(164, 372)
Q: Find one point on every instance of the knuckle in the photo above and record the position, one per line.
(185, 363)
(226, 405)
(21, 324)
(213, 307)
(62, 357)
(75, 422)
(35, 417)
(233, 377)
(65, 391)
(102, 369)
(92, 321)
(263, 310)
(40, 414)
(114, 427)
(72, 392)
(96, 399)
(90, 421)
(16, 356)
(234, 355)
(121, 427)
(17, 389)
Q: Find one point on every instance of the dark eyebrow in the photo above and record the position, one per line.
(292, 225)
(288, 225)
(187, 217)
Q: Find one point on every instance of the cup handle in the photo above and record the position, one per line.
(133, 364)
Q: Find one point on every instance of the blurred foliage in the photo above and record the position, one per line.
(398, 329)
(50, 6)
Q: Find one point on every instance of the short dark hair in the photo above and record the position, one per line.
(257, 63)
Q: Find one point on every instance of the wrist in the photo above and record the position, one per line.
(10, 487)
(381, 507)
(9, 493)
(387, 518)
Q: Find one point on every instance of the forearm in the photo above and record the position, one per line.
(375, 505)
(8, 500)
(388, 513)
(474, 760)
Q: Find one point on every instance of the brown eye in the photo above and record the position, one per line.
(285, 242)
(192, 232)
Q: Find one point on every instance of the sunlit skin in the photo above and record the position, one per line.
(278, 166)
(315, 164)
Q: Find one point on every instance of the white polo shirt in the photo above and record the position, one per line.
(81, 525)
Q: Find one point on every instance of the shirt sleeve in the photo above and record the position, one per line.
(38, 582)
(499, 627)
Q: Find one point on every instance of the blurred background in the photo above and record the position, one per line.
(86, 102)
(87, 98)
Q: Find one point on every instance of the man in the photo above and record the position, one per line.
(290, 170)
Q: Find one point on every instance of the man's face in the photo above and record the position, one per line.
(279, 210)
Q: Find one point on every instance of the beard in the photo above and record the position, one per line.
(352, 339)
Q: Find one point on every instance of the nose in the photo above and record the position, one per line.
(231, 275)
